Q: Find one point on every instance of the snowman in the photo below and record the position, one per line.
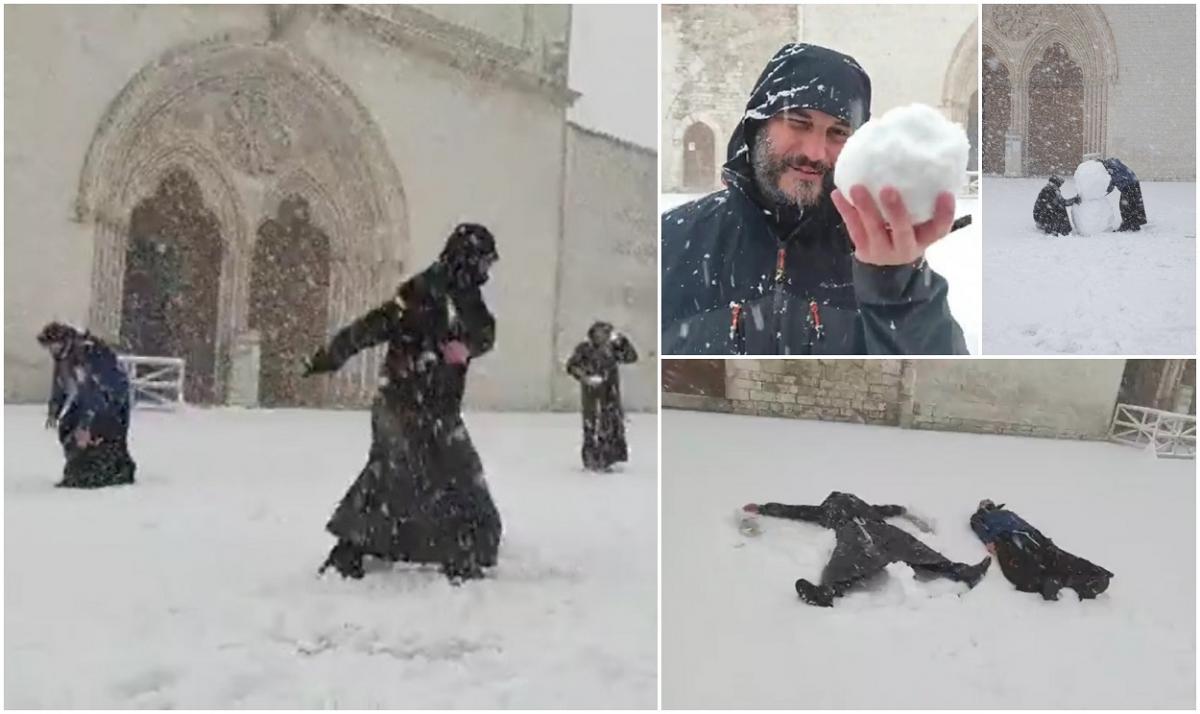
(1094, 213)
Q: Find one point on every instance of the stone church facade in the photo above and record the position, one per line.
(712, 54)
(1061, 82)
(184, 179)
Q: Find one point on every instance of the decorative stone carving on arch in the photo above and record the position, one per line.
(1020, 34)
(252, 121)
(996, 110)
(719, 141)
(962, 76)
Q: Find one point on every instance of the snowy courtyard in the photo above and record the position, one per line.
(735, 635)
(1112, 293)
(957, 258)
(197, 587)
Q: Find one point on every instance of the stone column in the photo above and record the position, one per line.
(245, 360)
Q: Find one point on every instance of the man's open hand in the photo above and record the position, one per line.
(888, 237)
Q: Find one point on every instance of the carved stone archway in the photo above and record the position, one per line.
(1055, 130)
(251, 121)
(1019, 36)
(962, 77)
(996, 111)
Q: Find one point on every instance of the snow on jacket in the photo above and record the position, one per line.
(742, 275)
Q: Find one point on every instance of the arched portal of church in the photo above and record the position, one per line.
(253, 125)
(973, 132)
(699, 157)
(1055, 132)
(172, 276)
(997, 111)
(289, 302)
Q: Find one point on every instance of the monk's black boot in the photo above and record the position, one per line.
(819, 595)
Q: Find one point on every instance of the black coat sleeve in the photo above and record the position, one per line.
(798, 513)
(58, 393)
(889, 511)
(905, 310)
(477, 324)
(576, 364)
(624, 351)
(369, 330)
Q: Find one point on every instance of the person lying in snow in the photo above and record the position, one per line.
(89, 403)
(594, 363)
(1050, 209)
(1030, 560)
(866, 545)
(422, 497)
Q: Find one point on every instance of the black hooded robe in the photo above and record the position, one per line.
(1032, 562)
(1122, 178)
(1050, 211)
(742, 275)
(603, 415)
(866, 545)
(422, 497)
(91, 391)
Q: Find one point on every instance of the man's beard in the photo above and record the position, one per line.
(770, 167)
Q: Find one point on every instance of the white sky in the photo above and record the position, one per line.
(614, 64)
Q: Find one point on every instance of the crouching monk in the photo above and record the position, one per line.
(866, 545)
(1030, 560)
(422, 497)
(89, 403)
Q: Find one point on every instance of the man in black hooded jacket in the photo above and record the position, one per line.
(866, 545)
(770, 265)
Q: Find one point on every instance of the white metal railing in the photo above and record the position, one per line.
(154, 381)
(1168, 434)
(971, 187)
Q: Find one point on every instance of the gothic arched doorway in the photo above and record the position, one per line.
(1055, 114)
(997, 111)
(289, 302)
(252, 123)
(973, 132)
(699, 157)
(172, 276)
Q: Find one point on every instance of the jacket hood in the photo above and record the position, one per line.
(799, 76)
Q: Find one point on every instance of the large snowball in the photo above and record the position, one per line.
(1093, 216)
(914, 149)
(1091, 180)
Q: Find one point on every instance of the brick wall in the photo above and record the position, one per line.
(1048, 398)
(863, 391)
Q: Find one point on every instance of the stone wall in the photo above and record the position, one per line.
(1049, 398)
(1152, 121)
(609, 267)
(1054, 398)
(854, 390)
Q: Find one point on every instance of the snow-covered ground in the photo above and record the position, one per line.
(958, 258)
(1112, 293)
(735, 635)
(196, 587)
